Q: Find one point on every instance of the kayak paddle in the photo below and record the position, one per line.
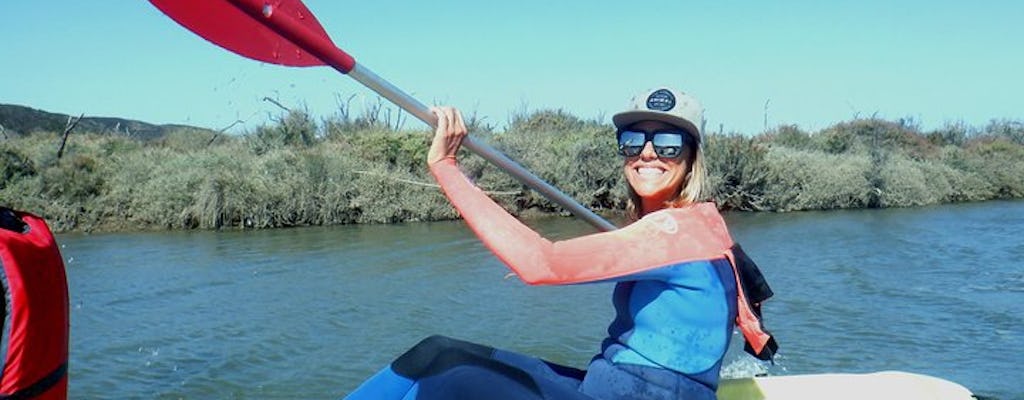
(285, 32)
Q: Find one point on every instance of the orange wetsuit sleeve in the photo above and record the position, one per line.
(660, 239)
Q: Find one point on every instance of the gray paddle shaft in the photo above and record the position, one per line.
(421, 111)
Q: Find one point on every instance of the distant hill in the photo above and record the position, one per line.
(21, 120)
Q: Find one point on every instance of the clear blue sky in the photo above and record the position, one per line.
(818, 62)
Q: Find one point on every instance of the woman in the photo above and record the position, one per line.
(676, 294)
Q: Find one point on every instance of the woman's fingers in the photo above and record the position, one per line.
(449, 121)
(448, 135)
(442, 120)
(460, 124)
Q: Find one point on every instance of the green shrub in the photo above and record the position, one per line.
(295, 129)
(955, 185)
(127, 173)
(1009, 129)
(864, 135)
(905, 184)
(737, 171)
(74, 180)
(808, 180)
(791, 136)
(952, 134)
(545, 121)
(582, 162)
(383, 196)
(838, 141)
(1001, 162)
(14, 166)
(191, 140)
(406, 151)
(965, 176)
(161, 186)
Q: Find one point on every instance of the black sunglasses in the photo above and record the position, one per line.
(668, 143)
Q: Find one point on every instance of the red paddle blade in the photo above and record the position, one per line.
(242, 27)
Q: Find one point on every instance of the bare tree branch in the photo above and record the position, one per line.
(276, 103)
(345, 108)
(222, 130)
(400, 120)
(71, 124)
(765, 129)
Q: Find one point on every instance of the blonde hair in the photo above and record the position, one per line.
(690, 192)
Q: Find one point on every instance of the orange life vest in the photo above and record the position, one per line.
(665, 237)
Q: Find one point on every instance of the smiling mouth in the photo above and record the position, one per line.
(647, 172)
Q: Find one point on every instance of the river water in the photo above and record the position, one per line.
(309, 313)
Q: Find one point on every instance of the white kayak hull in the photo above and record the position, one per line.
(878, 385)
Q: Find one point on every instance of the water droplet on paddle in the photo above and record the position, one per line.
(268, 10)
(275, 54)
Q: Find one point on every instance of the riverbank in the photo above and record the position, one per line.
(301, 172)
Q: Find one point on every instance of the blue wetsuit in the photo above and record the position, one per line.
(678, 317)
(667, 341)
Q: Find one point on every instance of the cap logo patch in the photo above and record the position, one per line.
(661, 100)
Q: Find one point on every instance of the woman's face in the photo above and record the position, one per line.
(656, 180)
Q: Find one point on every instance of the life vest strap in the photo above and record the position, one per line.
(759, 342)
(39, 387)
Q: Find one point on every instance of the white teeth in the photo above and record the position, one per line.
(649, 172)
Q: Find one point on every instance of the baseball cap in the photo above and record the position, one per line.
(666, 105)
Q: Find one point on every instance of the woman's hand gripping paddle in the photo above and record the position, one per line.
(284, 32)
